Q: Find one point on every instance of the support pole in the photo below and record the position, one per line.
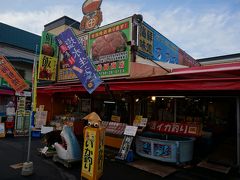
(27, 168)
(238, 131)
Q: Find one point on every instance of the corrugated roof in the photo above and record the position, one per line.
(19, 59)
(17, 37)
(65, 20)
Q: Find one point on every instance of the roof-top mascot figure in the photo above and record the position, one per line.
(92, 15)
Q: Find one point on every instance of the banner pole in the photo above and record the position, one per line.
(27, 168)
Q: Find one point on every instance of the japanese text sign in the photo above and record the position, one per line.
(78, 60)
(65, 73)
(109, 49)
(155, 46)
(11, 76)
(48, 57)
(185, 129)
(89, 152)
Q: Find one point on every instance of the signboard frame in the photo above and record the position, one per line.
(117, 63)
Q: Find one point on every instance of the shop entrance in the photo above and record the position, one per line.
(216, 115)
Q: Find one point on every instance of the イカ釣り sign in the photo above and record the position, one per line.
(185, 129)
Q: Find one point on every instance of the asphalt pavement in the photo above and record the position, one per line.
(13, 150)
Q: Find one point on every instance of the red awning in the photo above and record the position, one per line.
(224, 77)
(7, 92)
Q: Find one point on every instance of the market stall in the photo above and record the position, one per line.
(145, 64)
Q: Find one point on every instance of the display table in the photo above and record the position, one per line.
(114, 133)
(112, 141)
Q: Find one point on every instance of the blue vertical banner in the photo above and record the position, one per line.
(76, 57)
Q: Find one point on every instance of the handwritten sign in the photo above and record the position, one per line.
(10, 75)
(186, 129)
(130, 130)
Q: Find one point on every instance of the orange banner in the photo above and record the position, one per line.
(11, 76)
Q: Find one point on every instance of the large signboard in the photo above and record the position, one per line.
(48, 57)
(11, 76)
(65, 73)
(78, 60)
(154, 46)
(108, 48)
(184, 129)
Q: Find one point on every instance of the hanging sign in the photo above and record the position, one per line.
(11, 76)
(48, 57)
(78, 60)
(65, 73)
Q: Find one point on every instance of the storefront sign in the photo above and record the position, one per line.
(89, 152)
(154, 46)
(78, 60)
(185, 129)
(48, 57)
(11, 76)
(93, 153)
(108, 48)
(65, 73)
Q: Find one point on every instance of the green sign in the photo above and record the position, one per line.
(109, 50)
(48, 57)
(3, 82)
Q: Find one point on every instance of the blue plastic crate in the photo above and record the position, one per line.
(36, 134)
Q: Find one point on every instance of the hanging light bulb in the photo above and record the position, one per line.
(153, 98)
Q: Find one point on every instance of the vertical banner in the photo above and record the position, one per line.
(65, 73)
(11, 76)
(93, 153)
(48, 57)
(78, 60)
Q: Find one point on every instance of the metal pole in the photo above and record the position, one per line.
(27, 168)
(175, 110)
(33, 101)
(238, 131)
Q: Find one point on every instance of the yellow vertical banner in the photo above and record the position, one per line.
(93, 153)
(34, 91)
(48, 57)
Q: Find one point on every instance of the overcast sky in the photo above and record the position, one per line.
(203, 28)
